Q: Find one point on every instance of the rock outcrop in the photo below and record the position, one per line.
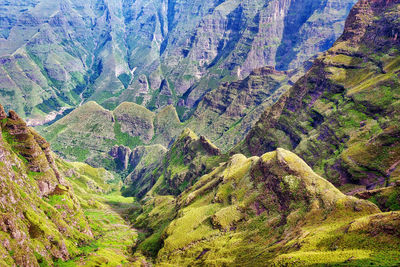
(189, 157)
(41, 220)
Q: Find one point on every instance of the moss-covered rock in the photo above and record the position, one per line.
(41, 219)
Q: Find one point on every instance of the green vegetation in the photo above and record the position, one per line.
(191, 205)
(342, 116)
(125, 138)
(129, 124)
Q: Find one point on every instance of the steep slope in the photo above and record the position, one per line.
(227, 114)
(189, 158)
(270, 210)
(342, 117)
(387, 198)
(41, 219)
(55, 55)
(202, 44)
(54, 212)
(107, 212)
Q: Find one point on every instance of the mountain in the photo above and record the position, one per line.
(183, 201)
(342, 117)
(188, 159)
(57, 55)
(269, 210)
(53, 211)
(272, 208)
(41, 218)
(226, 114)
(91, 131)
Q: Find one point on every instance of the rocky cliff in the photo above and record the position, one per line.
(174, 170)
(226, 114)
(41, 219)
(343, 115)
(55, 55)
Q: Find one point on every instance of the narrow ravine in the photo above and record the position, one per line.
(114, 236)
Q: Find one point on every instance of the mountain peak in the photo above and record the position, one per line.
(3, 113)
(188, 133)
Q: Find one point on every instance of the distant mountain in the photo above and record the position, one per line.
(57, 54)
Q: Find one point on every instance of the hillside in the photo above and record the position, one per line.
(54, 55)
(90, 132)
(287, 212)
(172, 171)
(279, 161)
(226, 114)
(53, 211)
(343, 116)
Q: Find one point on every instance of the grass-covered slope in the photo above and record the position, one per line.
(343, 116)
(171, 172)
(387, 198)
(270, 210)
(41, 219)
(54, 213)
(106, 211)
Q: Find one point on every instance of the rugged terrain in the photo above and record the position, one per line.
(271, 209)
(343, 116)
(224, 116)
(53, 211)
(183, 201)
(57, 54)
(91, 131)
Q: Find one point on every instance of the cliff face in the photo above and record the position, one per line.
(343, 115)
(54, 55)
(41, 219)
(227, 114)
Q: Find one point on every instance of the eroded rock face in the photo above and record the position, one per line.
(227, 114)
(30, 223)
(3, 113)
(122, 155)
(126, 50)
(327, 114)
(189, 157)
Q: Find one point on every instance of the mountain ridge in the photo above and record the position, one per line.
(337, 105)
(57, 55)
